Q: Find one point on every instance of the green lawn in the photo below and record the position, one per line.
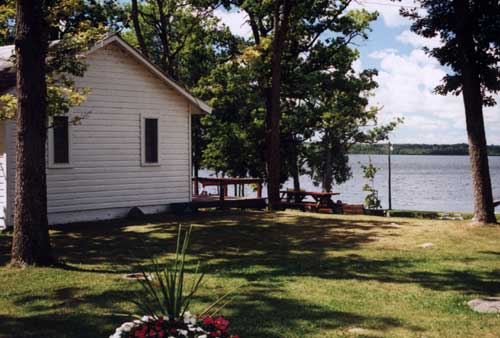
(303, 275)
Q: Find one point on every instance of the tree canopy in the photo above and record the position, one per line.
(321, 94)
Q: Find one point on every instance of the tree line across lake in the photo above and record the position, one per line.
(419, 149)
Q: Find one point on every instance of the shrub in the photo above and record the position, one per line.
(165, 301)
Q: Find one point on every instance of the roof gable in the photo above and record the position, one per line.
(8, 77)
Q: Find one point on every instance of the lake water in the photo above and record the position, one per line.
(432, 183)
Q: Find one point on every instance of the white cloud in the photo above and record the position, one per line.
(406, 85)
(389, 11)
(236, 21)
(383, 53)
(409, 38)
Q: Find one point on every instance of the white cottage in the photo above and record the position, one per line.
(131, 149)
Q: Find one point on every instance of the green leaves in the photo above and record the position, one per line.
(182, 37)
(371, 200)
(77, 26)
(7, 14)
(8, 106)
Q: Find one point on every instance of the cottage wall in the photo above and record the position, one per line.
(3, 174)
(105, 177)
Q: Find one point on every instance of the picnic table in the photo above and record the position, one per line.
(296, 198)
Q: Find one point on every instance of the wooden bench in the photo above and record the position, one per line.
(353, 209)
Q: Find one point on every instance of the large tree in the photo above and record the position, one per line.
(470, 34)
(318, 36)
(284, 35)
(31, 243)
(317, 73)
(45, 87)
(343, 120)
(280, 18)
(180, 36)
(234, 132)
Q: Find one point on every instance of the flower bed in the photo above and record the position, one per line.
(164, 298)
(188, 327)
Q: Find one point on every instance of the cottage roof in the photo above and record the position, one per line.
(8, 73)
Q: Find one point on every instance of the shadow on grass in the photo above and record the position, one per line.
(259, 312)
(286, 245)
(69, 325)
(115, 246)
(274, 312)
(64, 313)
(263, 247)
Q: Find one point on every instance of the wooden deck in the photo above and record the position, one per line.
(223, 183)
(222, 200)
(214, 201)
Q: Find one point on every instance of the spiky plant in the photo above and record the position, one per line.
(163, 287)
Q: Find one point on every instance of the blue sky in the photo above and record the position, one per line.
(406, 79)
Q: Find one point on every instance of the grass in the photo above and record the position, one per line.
(303, 275)
(432, 214)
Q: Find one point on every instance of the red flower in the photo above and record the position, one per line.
(172, 330)
(208, 321)
(221, 323)
(140, 334)
(152, 333)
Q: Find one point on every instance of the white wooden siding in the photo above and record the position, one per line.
(3, 174)
(106, 171)
(10, 136)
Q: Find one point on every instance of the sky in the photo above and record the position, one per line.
(407, 78)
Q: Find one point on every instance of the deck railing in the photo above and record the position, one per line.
(224, 182)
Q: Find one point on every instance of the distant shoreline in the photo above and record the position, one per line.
(460, 149)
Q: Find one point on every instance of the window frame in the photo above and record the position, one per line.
(144, 117)
(52, 164)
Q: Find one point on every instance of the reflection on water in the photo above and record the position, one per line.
(433, 183)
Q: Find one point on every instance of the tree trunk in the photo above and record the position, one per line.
(137, 28)
(294, 164)
(30, 243)
(197, 146)
(327, 182)
(281, 16)
(484, 211)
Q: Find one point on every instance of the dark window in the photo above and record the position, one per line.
(151, 140)
(61, 139)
